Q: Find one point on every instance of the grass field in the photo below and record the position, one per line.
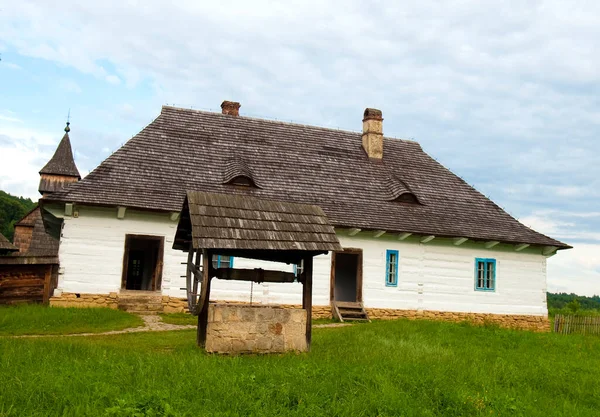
(400, 368)
(37, 319)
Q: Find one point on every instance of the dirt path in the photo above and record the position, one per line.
(152, 323)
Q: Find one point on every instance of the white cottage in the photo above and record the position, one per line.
(418, 241)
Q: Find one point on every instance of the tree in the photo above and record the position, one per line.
(12, 209)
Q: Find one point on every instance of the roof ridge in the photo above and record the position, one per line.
(262, 119)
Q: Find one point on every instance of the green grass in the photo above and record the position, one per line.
(179, 318)
(38, 319)
(400, 368)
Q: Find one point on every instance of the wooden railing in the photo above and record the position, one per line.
(577, 324)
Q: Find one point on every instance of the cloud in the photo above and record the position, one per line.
(12, 66)
(10, 119)
(70, 86)
(576, 271)
(505, 97)
(113, 79)
(23, 155)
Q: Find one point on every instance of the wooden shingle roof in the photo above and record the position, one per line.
(62, 162)
(186, 149)
(241, 223)
(6, 246)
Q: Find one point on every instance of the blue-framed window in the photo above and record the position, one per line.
(485, 274)
(391, 268)
(222, 261)
(298, 270)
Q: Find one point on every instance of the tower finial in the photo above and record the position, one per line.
(67, 128)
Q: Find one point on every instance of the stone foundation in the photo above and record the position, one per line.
(67, 299)
(169, 304)
(236, 328)
(179, 305)
(524, 322)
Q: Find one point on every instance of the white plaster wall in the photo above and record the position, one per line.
(433, 276)
(441, 277)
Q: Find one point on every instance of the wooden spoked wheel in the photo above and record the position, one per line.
(193, 295)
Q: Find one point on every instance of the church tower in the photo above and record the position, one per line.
(61, 169)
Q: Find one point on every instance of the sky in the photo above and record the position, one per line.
(506, 94)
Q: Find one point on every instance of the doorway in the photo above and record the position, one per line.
(142, 263)
(346, 276)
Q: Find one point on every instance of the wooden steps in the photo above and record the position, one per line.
(349, 311)
(140, 302)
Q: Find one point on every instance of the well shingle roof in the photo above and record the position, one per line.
(62, 162)
(188, 150)
(237, 222)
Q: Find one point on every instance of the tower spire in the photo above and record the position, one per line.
(67, 128)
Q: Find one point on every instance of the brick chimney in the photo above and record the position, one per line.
(231, 108)
(372, 137)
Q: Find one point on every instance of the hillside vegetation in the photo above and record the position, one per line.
(12, 209)
(563, 303)
(396, 368)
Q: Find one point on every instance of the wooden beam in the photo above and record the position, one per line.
(353, 232)
(194, 270)
(203, 303)
(47, 284)
(121, 212)
(426, 239)
(403, 236)
(188, 281)
(491, 244)
(255, 275)
(174, 216)
(378, 233)
(522, 246)
(460, 240)
(549, 250)
(307, 297)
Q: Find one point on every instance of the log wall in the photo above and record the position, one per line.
(27, 283)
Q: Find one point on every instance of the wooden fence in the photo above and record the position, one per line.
(577, 324)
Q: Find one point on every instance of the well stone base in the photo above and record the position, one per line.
(524, 322)
(237, 328)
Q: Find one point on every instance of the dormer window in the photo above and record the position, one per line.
(399, 191)
(409, 198)
(238, 172)
(243, 181)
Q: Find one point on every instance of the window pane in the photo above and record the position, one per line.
(490, 275)
(480, 275)
(225, 261)
(215, 261)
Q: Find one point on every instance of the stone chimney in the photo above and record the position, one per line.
(372, 137)
(231, 108)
